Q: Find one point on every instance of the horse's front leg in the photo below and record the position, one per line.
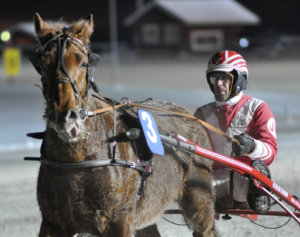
(49, 230)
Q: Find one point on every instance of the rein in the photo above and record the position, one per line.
(61, 40)
(203, 123)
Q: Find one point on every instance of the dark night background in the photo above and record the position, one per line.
(278, 17)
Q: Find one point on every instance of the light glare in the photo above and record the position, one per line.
(244, 42)
(5, 36)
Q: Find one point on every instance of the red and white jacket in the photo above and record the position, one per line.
(242, 114)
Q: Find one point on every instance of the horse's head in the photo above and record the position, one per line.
(64, 60)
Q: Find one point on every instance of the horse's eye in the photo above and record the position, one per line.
(84, 64)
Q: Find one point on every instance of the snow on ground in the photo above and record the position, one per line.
(20, 215)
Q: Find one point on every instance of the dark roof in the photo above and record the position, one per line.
(24, 27)
(200, 12)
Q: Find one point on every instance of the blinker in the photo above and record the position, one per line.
(35, 60)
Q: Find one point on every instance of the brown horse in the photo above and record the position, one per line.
(75, 193)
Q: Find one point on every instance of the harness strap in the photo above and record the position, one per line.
(145, 167)
(141, 167)
(114, 143)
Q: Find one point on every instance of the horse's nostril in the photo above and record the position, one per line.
(72, 115)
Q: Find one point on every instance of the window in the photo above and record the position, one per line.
(206, 40)
(150, 34)
(172, 34)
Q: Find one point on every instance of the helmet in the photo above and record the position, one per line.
(229, 61)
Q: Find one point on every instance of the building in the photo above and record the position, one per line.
(188, 25)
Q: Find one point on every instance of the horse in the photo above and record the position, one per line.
(93, 177)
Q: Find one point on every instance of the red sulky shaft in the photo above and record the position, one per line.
(238, 166)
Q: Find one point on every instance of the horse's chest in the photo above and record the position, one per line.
(83, 190)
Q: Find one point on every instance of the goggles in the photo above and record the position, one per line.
(213, 77)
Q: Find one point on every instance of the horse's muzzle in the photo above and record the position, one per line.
(69, 125)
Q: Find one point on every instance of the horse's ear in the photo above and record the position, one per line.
(83, 29)
(43, 31)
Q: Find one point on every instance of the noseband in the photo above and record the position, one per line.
(61, 39)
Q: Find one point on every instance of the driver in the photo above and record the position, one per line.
(247, 119)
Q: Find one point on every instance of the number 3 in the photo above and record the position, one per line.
(151, 133)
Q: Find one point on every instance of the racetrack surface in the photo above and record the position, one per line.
(180, 81)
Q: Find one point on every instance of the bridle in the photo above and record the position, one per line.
(61, 40)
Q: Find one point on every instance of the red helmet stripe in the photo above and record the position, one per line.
(227, 60)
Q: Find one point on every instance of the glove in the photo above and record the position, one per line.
(247, 144)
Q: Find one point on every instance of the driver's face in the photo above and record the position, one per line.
(222, 84)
